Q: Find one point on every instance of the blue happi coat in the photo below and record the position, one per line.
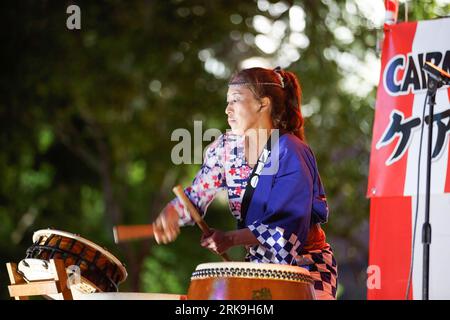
(287, 199)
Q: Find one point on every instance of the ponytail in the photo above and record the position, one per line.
(292, 119)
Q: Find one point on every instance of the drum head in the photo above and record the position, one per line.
(252, 270)
(253, 265)
(280, 268)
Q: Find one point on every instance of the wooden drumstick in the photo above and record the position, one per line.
(178, 190)
(124, 233)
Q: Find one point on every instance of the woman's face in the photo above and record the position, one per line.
(243, 109)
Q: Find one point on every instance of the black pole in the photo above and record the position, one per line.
(426, 228)
(436, 78)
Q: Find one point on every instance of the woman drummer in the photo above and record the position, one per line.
(271, 177)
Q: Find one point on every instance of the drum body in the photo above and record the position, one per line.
(99, 270)
(250, 281)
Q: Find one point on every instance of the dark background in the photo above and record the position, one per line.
(86, 118)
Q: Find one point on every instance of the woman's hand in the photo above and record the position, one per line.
(217, 241)
(165, 227)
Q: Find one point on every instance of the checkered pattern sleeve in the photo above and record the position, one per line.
(277, 246)
(207, 182)
(283, 227)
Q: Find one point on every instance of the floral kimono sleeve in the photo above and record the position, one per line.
(208, 181)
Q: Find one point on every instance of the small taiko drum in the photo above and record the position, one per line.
(99, 270)
(250, 281)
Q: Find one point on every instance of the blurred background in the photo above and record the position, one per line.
(87, 115)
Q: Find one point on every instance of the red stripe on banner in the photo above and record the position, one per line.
(389, 180)
(447, 181)
(390, 247)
